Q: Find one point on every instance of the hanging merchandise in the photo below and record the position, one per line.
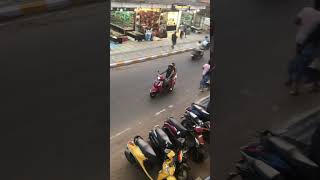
(123, 19)
(149, 18)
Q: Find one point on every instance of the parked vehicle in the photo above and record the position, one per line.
(160, 85)
(160, 141)
(201, 129)
(283, 157)
(200, 111)
(139, 152)
(192, 146)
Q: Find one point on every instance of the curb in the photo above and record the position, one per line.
(144, 59)
(37, 7)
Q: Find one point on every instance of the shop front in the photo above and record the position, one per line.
(122, 21)
(148, 19)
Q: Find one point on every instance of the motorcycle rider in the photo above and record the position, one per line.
(170, 74)
(199, 48)
(206, 41)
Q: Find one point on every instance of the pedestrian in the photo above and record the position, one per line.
(181, 33)
(303, 64)
(205, 76)
(174, 39)
(185, 28)
(298, 68)
(307, 20)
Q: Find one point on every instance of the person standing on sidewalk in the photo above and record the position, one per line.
(181, 31)
(174, 39)
(307, 20)
(205, 76)
(185, 28)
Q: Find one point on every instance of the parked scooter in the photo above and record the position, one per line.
(160, 86)
(192, 146)
(200, 111)
(200, 129)
(197, 54)
(139, 152)
(169, 170)
(278, 154)
(161, 142)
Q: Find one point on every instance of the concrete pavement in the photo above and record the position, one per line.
(252, 55)
(131, 50)
(133, 112)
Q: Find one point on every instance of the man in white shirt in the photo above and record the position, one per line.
(307, 19)
(205, 76)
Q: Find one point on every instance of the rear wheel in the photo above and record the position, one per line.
(198, 155)
(153, 94)
(129, 156)
(182, 174)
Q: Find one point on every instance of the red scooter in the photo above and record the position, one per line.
(159, 85)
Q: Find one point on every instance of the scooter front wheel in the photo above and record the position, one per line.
(182, 174)
(198, 155)
(129, 156)
(153, 94)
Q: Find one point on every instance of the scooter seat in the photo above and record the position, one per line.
(200, 109)
(146, 148)
(291, 153)
(177, 125)
(163, 137)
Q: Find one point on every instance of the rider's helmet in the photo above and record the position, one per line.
(206, 37)
(173, 64)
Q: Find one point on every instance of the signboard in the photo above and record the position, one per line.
(181, 7)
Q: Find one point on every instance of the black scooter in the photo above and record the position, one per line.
(200, 111)
(197, 54)
(160, 142)
(281, 156)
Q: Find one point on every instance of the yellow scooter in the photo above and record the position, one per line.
(168, 167)
(141, 153)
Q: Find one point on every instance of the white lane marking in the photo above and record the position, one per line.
(158, 113)
(171, 106)
(118, 134)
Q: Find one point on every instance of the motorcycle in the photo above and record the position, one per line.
(206, 47)
(200, 129)
(168, 171)
(161, 142)
(191, 145)
(139, 152)
(197, 54)
(200, 111)
(159, 85)
(281, 154)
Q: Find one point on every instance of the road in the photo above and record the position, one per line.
(133, 112)
(53, 95)
(251, 57)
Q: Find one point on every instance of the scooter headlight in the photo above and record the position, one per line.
(159, 78)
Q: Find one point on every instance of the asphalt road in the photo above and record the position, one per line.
(130, 102)
(133, 112)
(53, 89)
(254, 41)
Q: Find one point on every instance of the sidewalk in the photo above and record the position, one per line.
(132, 50)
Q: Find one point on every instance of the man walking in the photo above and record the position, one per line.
(174, 39)
(307, 20)
(205, 76)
